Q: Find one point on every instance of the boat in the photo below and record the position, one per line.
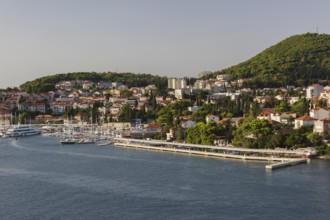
(22, 131)
(68, 141)
(85, 141)
(101, 144)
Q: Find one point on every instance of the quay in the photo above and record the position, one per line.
(282, 157)
(286, 163)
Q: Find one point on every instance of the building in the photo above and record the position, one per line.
(188, 124)
(322, 126)
(210, 118)
(319, 113)
(5, 114)
(314, 91)
(283, 118)
(60, 108)
(303, 121)
(39, 107)
(176, 83)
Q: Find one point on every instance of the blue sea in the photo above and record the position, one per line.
(42, 179)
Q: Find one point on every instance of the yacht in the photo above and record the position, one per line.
(22, 130)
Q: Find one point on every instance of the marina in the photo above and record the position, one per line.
(276, 158)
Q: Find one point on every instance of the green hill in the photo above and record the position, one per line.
(47, 83)
(298, 60)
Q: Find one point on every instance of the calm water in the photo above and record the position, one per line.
(40, 179)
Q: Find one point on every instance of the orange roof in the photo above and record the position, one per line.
(305, 118)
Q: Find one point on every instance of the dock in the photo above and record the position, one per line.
(286, 163)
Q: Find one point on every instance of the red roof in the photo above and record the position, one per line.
(305, 118)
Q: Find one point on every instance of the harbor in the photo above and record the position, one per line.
(276, 158)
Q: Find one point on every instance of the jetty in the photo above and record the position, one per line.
(278, 158)
(286, 163)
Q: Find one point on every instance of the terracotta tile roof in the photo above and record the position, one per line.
(305, 118)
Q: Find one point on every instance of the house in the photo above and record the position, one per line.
(303, 121)
(280, 117)
(5, 114)
(40, 107)
(314, 91)
(322, 126)
(87, 84)
(152, 129)
(319, 113)
(60, 108)
(210, 118)
(188, 124)
(265, 114)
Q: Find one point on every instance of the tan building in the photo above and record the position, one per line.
(322, 126)
(5, 114)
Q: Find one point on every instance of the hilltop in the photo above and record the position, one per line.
(47, 83)
(299, 60)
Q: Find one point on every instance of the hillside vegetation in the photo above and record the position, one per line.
(47, 83)
(299, 60)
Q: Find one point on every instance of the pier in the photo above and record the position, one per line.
(283, 158)
(286, 163)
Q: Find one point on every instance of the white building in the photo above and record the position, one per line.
(319, 113)
(314, 91)
(210, 118)
(303, 121)
(175, 83)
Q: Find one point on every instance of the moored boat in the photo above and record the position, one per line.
(22, 131)
(68, 141)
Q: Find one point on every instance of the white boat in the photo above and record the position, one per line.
(22, 130)
(68, 141)
(85, 141)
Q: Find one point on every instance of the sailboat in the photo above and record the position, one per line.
(68, 138)
(87, 138)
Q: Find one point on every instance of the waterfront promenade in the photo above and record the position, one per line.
(282, 157)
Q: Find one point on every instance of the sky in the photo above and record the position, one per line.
(173, 38)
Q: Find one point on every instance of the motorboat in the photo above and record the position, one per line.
(68, 141)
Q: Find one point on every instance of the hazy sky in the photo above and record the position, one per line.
(162, 37)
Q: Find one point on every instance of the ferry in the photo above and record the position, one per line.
(22, 131)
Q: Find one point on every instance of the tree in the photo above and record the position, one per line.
(253, 133)
(301, 107)
(314, 138)
(203, 133)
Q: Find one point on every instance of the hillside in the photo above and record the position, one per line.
(299, 60)
(47, 83)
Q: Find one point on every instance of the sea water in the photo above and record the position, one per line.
(42, 179)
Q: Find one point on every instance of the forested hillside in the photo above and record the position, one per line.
(299, 60)
(47, 83)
